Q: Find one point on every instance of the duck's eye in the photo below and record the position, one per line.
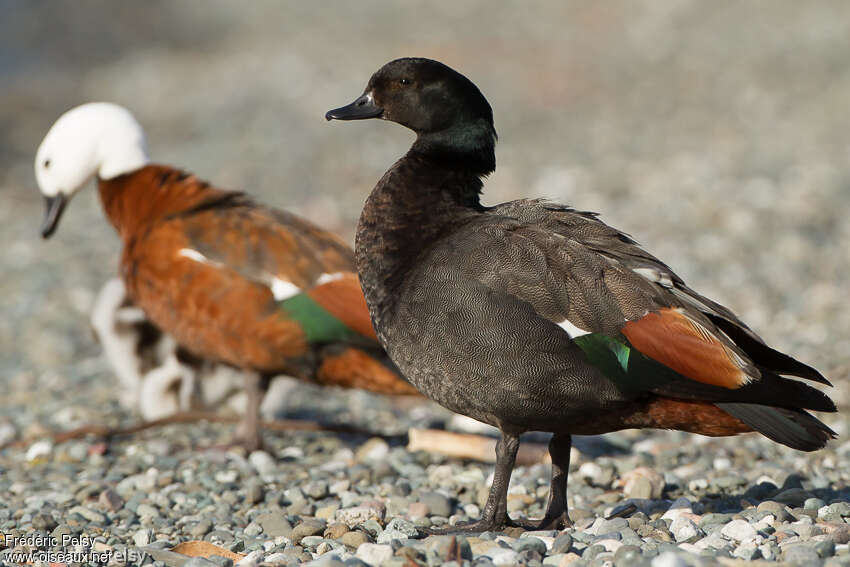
(404, 81)
(46, 163)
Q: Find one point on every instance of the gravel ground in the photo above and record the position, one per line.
(715, 133)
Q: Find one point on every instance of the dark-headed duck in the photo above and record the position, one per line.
(232, 281)
(535, 316)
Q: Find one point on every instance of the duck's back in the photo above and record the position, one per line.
(236, 282)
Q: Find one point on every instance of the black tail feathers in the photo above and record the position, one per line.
(795, 428)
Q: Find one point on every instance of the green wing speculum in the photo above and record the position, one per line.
(319, 325)
(631, 370)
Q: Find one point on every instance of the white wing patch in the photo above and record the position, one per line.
(571, 329)
(198, 257)
(327, 278)
(282, 289)
(655, 276)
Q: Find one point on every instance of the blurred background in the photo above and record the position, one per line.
(716, 133)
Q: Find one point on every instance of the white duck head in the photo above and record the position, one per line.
(97, 138)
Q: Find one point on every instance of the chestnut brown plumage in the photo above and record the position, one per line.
(232, 281)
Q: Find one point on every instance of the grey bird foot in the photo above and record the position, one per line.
(482, 525)
(558, 523)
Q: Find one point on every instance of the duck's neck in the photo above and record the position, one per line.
(138, 199)
(416, 202)
(466, 145)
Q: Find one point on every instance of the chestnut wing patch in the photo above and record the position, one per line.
(675, 340)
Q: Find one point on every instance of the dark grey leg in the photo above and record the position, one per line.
(557, 513)
(495, 514)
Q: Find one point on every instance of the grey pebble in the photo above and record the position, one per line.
(307, 527)
(562, 543)
(274, 524)
(529, 543)
(397, 529)
(200, 562)
(438, 504)
(801, 553)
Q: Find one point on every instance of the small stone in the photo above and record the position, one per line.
(739, 530)
(747, 552)
(307, 527)
(681, 507)
(417, 510)
(39, 450)
(91, 515)
(327, 512)
(669, 559)
(147, 511)
(316, 489)
(503, 556)
(274, 524)
(199, 562)
(221, 561)
(397, 528)
(839, 533)
(43, 522)
(359, 514)
(373, 450)
(777, 509)
(227, 477)
(312, 541)
(591, 551)
(569, 559)
(438, 504)
(253, 559)
(110, 500)
(373, 553)
(335, 531)
(813, 504)
(801, 554)
(602, 526)
(529, 544)
(627, 556)
(562, 544)
(262, 462)
(808, 531)
(8, 433)
(293, 495)
(200, 529)
(793, 496)
(143, 537)
(254, 493)
(596, 474)
(642, 482)
(684, 530)
(770, 551)
(825, 548)
(354, 539)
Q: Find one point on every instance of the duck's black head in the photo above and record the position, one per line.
(452, 119)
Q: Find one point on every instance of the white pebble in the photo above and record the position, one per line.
(374, 553)
(262, 462)
(739, 530)
(226, 477)
(39, 449)
(253, 559)
(683, 529)
(7, 432)
(669, 559)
